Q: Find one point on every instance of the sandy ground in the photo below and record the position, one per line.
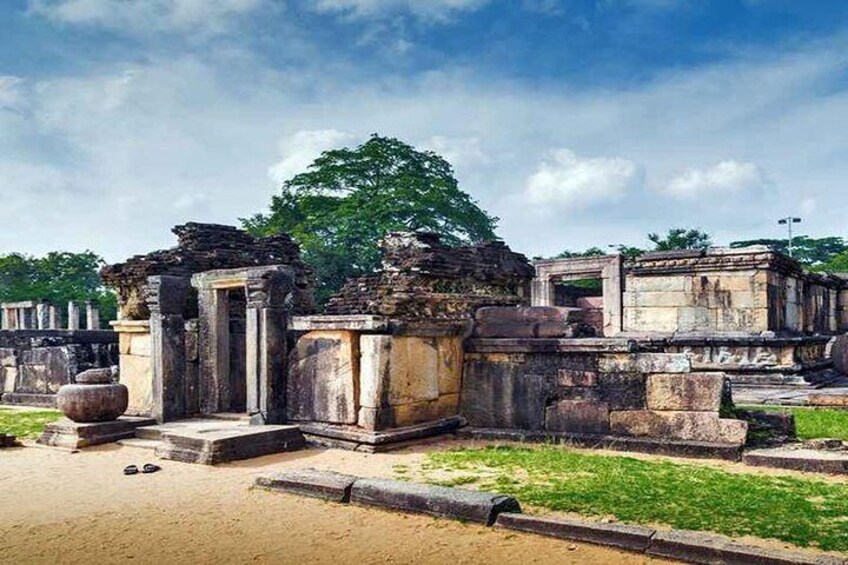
(58, 507)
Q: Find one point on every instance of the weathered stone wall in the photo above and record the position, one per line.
(749, 290)
(592, 387)
(205, 247)
(374, 381)
(422, 278)
(35, 363)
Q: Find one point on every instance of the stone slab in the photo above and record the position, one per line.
(633, 538)
(810, 460)
(229, 443)
(364, 323)
(696, 547)
(326, 485)
(356, 436)
(685, 391)
(443, 502)
(73, 435)
(580, 416)
(695, 426)
(525, 321)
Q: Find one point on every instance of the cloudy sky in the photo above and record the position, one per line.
(577, 122)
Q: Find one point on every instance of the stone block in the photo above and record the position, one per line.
(644, 363)
(458, 504)
(578, 416)
(689, 426)
(323, 378)
(696, 318)
(525, 321)
(685, 391)
(650, 319)
(663, 299)
(425, 411)
(566, 378)
(73, 435)
(658, 283)
(504, 395)
(622, 391)
(10, 378)
(450, 364)
(839, 353)
(326, 485)
(140, 345)
(414, 370)
(8, 357)
(124, 341)
(633, 538)
(136, 373)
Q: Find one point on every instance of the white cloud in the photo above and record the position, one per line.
(300, 149)
(460, 152)
(428, 10)
(205, 17)
(564, 179)
(726, 177)
(808, 206)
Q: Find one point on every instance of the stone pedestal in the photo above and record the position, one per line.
(74, 435)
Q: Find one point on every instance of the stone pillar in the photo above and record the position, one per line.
(542, 290)
(73, 316)
(214, 349)
(53, 321)
(92, 316)
(613, 294)
(166, 298)
(42, 315)
(11, 318)
(266, 344)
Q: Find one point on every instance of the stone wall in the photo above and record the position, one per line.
(592, 387)
(35, 363)
(136, 364)
(370, 378)
(747, 290)
(422, 278)
(205, 247)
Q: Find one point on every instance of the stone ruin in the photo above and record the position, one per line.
(442, 339)
(421, 278)
(206, 247)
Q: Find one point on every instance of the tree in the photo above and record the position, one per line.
(811, 252)
(591, 252)
(58, 277)
(680, 238)
(348, 199)
(836, 264)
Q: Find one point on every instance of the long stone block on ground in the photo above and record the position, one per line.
(327, 485)
(634, 538)
(74, 435)
(685, 391)
(810, 460)
(444, 502)
(696, 426)
(696, 547)
(229, 443)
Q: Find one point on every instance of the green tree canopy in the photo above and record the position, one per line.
(348, 199)
(680, 238)
(58, 277)
(813, 253)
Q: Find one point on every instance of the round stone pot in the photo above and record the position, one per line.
(92, 402)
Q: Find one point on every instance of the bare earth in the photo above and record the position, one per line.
(58, 507)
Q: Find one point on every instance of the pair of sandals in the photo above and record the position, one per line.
(147, 469)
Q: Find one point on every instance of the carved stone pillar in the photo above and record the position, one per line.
(266, 344)
(166, 298)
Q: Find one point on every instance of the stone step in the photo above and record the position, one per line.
(232, 442)
(153, 433)
(150, 444)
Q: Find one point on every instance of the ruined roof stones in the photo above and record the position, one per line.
(423, 278)
(204, 247)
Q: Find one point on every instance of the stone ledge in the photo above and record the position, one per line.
(459, 504)
(349, 322)
(680, 448)
(550, 345)
(326, 485)
(352, 437)
(633, 538)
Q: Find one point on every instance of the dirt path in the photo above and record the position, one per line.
(57, 507)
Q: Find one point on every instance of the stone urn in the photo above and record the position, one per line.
(94, 397)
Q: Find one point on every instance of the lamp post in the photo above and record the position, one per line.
(788, 221)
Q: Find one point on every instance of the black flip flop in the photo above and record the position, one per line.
(130, 470)
(150, 468)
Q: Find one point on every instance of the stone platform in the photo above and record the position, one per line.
(210, 445)
(73, 435)
(357, 439)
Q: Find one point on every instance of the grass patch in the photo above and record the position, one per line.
(804, 512)
(26, 424)
(812, 423)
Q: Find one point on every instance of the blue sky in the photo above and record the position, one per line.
(577, 122)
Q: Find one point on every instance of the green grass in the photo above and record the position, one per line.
(804, 512)
(811, 423)
(25, 424)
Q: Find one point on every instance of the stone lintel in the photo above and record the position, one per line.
(222, 279)
(356, 322)
(131, 326)
(21, 304)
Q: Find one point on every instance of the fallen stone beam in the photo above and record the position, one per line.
(633, 538)
(326, 485)
(458, 504)
(809, 460)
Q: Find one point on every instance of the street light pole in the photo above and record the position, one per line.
(788, 221)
